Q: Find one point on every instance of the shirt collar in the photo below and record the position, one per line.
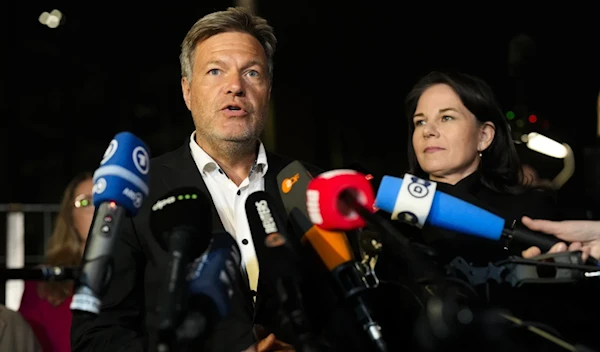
(206, 163)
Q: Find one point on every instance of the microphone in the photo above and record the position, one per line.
(210, 283)
(343, 199)
(273, 246)
(374, 180)
(326, 208)
(293, 180)
(120, 186)
(41, 273)
(417, 202)
(333, 248)
(181, 222)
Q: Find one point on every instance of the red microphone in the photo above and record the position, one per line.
(337, 200)
(344, 200)
(328, 210)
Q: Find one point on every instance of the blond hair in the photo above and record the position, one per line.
(234, 19)
(64, 245)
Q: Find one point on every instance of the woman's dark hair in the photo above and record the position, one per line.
(500, 167)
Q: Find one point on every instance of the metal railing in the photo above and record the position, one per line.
(14, 256)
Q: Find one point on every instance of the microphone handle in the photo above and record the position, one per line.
(543, 241)
(370, 326)
(97, 262)
(350, 280)
(174, 297)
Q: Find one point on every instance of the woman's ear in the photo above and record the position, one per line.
(487, 131)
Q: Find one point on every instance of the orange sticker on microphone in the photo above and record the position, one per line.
(287, 184)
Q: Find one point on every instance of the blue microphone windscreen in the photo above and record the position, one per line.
(388, 191)
(214, 274)
(447, 212)
(455, 214)
(123, 173)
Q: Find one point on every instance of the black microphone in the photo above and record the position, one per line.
(273, 246)
(181, 221)
(211, 283)
(120, 186)
(41, 273)
(293, 181)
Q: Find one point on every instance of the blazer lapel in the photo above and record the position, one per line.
(184, 172)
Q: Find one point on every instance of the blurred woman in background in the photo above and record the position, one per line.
(46, 305)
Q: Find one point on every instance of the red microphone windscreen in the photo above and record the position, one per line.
(325, 205)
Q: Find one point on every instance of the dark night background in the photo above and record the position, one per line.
(342, 71)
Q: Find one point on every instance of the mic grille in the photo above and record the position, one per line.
(185, 208)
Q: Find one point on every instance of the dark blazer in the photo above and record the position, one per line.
(128, 318)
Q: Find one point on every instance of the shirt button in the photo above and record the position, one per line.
(245, 241)
(239, 192)
(253, 293)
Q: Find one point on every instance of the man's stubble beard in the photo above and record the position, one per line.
(239, 145)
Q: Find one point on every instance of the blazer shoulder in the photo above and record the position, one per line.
(282, 161)
(169, 157)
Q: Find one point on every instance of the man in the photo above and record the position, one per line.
(583, 235)
(227, 70)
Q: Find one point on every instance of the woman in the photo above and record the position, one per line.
(460, 139)
(46, 305)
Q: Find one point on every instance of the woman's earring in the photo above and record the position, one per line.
(480, 154)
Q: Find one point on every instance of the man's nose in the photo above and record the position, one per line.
(235, 86)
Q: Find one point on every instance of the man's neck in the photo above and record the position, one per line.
(235, 159)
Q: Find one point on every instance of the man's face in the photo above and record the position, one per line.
(230, 88)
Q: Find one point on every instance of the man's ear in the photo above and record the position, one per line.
(186, 89)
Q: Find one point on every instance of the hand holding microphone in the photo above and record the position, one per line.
(583, 235)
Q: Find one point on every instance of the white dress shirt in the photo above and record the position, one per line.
(230, 201)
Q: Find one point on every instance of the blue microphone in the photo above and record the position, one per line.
(123, 173)
(416, 201)
(120, 187)
(211, 281)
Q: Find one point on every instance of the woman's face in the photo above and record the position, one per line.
(83, 211)
(448, 138)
